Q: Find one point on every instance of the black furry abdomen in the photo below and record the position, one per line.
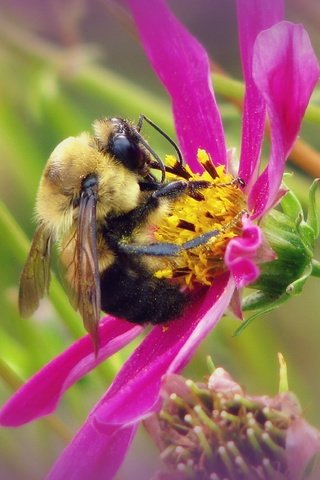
(139, 297)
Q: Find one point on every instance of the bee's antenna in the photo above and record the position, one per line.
(165, 135)
(153, 153)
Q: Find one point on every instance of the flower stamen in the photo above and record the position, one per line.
(220, 207)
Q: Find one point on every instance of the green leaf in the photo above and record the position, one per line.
(313, 219)
(291, 205)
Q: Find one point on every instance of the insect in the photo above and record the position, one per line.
(99, 201)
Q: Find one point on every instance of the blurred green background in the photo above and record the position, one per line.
(64, 64)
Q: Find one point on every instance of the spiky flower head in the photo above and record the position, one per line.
(215, 431)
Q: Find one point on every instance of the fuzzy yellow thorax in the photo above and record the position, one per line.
(221, 207)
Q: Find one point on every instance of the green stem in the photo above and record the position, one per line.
(235, 89)
(315, 268)
(128, 96)
(103, 83)
(19, 146)
(228, 87)
(94, 77)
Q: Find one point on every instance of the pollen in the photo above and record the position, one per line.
(218, 208)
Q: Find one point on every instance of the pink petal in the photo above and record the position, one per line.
(135, 390)
(244, 271)
(214, 305)
(302, 442)
(285, 70)
(94, 453)
(253, 17)
(221, 381)
(182, 65)
(174, 383)
(242, 254)
(235, 307)
(39, 396)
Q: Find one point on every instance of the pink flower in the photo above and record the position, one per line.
(280, 72)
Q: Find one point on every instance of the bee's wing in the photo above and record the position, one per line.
(86, 283)
(35, 277)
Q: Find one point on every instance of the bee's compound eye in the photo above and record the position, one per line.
(127, 151)
(89, 182)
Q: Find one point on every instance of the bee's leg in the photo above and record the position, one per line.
(149, 186)
(165, 249)
(123, 225)
(153, 249)
(173, 189)
(179, 187)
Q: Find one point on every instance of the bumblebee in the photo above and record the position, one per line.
(99, 201)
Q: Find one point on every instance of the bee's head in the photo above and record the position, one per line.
(120, 139)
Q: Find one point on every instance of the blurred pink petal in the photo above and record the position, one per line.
(182, 65)
(302, 443)
(40, 395)
(253, 17)
(285, 70)
(221, 381)
(94, 453)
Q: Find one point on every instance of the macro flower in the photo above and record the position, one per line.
(216, 430)
(280, 72)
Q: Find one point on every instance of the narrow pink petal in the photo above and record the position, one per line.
(302, 442)
(135, 390)
(285, 70)
(253, 17)
(212, 309)
(94, 453)
(235, 307)
(182, 65)
(39, 396)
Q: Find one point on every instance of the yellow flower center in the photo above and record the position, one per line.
(219, 207)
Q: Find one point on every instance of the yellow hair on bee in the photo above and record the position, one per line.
(69, 164)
